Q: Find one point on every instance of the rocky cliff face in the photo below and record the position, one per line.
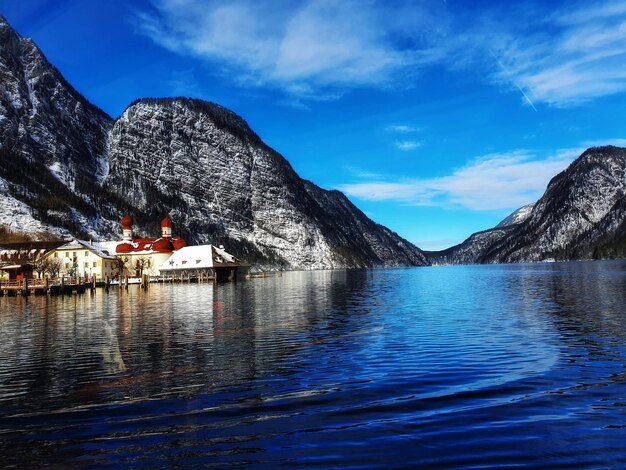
(224, 183)
(67, 168)
(581, 215)
(44, 117)
(53, 142)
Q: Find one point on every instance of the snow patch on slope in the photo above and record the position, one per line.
(18, 216)
(517, 217)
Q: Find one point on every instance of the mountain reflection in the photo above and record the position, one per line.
(343, 364)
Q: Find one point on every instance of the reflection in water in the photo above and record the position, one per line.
(453, 367)
(111, 356)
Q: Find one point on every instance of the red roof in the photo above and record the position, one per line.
(166, 222)
(162, 245)
(178, 243)
(124, 248)
(159, 245)
(127, 221)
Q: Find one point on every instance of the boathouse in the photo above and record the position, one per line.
(205, 260)
(21, 260)
(16, 272)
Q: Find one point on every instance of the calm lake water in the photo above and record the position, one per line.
(459, 367)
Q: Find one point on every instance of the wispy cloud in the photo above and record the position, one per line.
(302, 47)
(407, 145)
(403, 129)
(361, 173)
(559, 55)
(495, 181)
(583, 56)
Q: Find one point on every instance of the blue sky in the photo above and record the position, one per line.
(437, 118)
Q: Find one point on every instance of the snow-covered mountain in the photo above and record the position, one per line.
(52, 141)
(517, 217)
(68, 168)
(582, 214)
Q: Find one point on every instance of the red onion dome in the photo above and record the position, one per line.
(166, 222)
(124, 248)
(162, 245)
(127, 221)
(178, 243)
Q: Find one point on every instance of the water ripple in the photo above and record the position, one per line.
(460, 367)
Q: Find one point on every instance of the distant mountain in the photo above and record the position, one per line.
(69, 169)
(582, 214)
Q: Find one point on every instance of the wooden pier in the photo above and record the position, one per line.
(68, 286)
(45, 286)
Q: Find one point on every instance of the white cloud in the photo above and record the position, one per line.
(301, 47)
(582, 58)
(407, 145)
(403, 129)
(361, 173)
(495, 181)
(316, 49)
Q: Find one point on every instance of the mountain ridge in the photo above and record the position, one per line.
(68, 168)
(194, 159)
(582, 214)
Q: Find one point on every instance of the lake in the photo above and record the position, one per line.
(447, 367)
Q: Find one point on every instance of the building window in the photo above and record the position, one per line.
(56, 254)
(95, 264)
(73, 254)
(86, 253)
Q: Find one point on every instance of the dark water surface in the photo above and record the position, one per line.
(460, 367)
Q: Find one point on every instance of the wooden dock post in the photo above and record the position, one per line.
(25, 286)
(46, 285)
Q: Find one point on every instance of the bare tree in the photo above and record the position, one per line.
(48, 265)
(42, 265)
(120, 263)
(142, 263)
(54, 266)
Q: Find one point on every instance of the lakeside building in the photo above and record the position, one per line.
(20, 260)
(205, 260)
(129, 257)
(84, 259)
(141, 256)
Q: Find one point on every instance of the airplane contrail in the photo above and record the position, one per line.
(528, 100)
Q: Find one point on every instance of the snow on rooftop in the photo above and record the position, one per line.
(198, 257)
(102, 249)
